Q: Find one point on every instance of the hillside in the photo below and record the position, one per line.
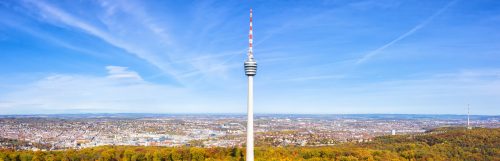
(438, 144)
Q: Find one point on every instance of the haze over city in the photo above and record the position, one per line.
(315, 57)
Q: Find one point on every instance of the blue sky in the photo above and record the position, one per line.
(335, 57)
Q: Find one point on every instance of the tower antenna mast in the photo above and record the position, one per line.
(250, 70)
(468, 117)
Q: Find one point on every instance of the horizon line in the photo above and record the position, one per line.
(186, 113)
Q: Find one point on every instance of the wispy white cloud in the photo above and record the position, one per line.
(204, 54)
(49, 38)
(131, 27)
(443, 93)
(370, 4)
(406, 34)
(121, 90)
(312, 78)
(138, 12)
(56, 15)
(122, 73)
(128, 26)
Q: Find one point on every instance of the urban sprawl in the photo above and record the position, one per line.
(75, 131)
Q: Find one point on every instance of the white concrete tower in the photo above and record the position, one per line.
(250, 70)
(468, 117)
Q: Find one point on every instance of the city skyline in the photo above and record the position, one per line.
(85, 131)
(340, 57)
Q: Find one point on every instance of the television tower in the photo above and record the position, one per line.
(468, 117)
(250, 70)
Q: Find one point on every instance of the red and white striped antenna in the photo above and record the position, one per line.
(250, 63)
(250, 38)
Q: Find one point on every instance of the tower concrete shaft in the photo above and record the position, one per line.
(468, 117)
(250, 141)
(250, 70)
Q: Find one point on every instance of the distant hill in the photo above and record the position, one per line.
(438, 144)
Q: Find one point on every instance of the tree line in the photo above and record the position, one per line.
(439, 144)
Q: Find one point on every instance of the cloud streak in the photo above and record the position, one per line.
(118, 72)
(178, 56)
(60, 16)
(121, 90)
(377, 51)
(443, 93)
(118, 25)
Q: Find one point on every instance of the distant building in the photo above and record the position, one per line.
(393, 132)
(80, 142)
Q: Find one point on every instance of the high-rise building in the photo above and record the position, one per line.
(250, 70)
